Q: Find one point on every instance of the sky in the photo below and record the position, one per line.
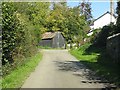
(98, 8)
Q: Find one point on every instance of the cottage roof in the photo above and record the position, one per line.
(102, 16)
(48, 35)
(105, 14)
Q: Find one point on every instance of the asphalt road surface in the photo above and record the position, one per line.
(59, 69)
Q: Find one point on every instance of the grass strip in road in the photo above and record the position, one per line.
(17, 77)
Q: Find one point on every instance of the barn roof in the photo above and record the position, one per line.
(48, 35)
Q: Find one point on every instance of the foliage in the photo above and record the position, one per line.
(76, 24)
(19, 75)
(7, 35)
(21, 25)
(68, 21)
(24, 22)
(55, 19)
(100, 36)
(85, 9)
(37, 13)
(94, 35)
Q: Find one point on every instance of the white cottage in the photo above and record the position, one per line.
(101, 21)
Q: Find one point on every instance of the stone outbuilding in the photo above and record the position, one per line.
(53, 39)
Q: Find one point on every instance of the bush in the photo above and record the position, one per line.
(18, 34)
(101, 37)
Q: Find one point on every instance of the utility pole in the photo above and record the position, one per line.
(111, 10)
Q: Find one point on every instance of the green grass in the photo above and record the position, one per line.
(17, 77)
(80, 54)
(97, 60)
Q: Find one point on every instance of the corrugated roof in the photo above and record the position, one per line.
(48, 35)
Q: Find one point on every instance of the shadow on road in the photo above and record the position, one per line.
(79, 69)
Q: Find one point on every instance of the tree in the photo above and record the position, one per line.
(76, 23)
(85, 9)
(55, 20)
(67, 20)
(24, 22)
(21, 24)
(37, 13)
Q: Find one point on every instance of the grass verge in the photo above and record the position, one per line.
(80, 54)
(17, 77)
(97, 60)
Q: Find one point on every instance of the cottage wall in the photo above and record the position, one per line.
(104, 20)
(113, 47)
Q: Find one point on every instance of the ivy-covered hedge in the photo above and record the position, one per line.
(18, 35)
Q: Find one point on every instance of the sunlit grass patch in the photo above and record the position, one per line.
(17, 77)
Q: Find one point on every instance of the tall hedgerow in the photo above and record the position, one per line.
(21, 28)
(18, 37)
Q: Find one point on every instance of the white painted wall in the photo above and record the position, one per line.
(104, 20)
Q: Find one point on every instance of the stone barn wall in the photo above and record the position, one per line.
(53, 41)
(113, 47)
(58, 41)
(46, 42)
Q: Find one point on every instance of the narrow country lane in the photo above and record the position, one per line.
(59, 69)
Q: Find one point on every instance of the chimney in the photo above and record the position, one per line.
(111, 9)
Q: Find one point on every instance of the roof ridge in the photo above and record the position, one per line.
(105, 14)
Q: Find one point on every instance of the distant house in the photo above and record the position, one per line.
(53, 39)
(101, 21)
